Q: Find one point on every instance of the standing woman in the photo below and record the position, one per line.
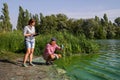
(29, 32)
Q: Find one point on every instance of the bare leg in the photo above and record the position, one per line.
(31, 54)
(49, 59)
(26, 55)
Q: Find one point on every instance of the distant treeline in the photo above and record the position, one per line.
(93, 28)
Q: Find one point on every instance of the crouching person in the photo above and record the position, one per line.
(49, 54)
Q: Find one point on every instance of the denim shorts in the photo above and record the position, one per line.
(30, 44)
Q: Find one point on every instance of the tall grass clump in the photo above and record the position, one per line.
(14, 42)
(88, 45)
(72, 44)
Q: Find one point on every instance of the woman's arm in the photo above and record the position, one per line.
(26, 35)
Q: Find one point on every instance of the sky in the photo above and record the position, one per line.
(72, 8)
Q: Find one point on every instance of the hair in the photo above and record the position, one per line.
(31, 21)
(53, 39)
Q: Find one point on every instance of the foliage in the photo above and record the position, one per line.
(92, 28)
(14, 42)
(5, 24)
(23, 18)
(9, 56)
(117, 21)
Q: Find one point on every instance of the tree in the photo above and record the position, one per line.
(117, 21)
(7, 26)
(23, 18)
(76, 26)
(20, 21)
(88, 27)
(61, 20)
(1, 22)
(37, 22)
(43, 24)
(105, 18)
(26, 17)
(97, 18)
(41, 17)
(50, 24)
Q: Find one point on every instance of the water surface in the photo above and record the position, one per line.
(105, 66)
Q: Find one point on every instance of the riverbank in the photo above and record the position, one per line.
(13, 70)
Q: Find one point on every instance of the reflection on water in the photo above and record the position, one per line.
(97, 67)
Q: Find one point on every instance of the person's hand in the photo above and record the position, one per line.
(31, 35)
(36, 34)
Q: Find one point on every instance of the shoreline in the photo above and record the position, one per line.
(55, 73)
(13, 70)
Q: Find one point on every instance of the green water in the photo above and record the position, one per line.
(105, 66)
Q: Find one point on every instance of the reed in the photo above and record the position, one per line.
(14, 42)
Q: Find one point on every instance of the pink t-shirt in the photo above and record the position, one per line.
(49, 49)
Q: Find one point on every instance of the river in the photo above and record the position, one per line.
(104, 66)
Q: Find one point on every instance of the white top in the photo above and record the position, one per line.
(29, 30)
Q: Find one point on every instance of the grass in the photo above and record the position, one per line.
(66, 63)
(9, 56)
(14, 42)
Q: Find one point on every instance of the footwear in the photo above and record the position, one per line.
(51, 62)
(47, 63)
(32, 64)
(25, 65)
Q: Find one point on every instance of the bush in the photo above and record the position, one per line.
(14, 42)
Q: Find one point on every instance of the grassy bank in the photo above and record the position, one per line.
(9, 56)
(14, 42)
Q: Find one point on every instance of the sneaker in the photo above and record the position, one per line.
(32, 64)
(47, 63)
(51, 62)
(25, 65)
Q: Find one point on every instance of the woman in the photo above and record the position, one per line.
(49, 54)
(29, 32)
